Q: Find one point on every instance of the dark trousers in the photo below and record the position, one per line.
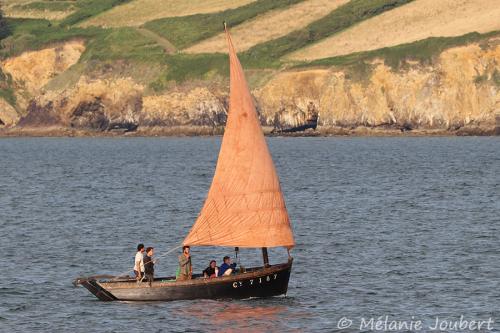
(149, 278)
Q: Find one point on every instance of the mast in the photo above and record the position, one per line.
(265, 257)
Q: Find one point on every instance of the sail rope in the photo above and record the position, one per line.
(78, 280)
(154, 261)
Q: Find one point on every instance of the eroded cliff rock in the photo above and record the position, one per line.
(458, 89)
(30, 71)
(91, 104)
(196, 107)
(8, 115)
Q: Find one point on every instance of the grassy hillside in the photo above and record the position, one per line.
(31, 34)
(54, 10)
(6, 91)
(422, 51)
(271, 25)
(342, 18)
(138, 12)
(54, 6)
(127, 44)
(187, 30)
(416, 21)
(143, 47)
(90, 8)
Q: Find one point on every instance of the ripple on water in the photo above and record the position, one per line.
(384, 226)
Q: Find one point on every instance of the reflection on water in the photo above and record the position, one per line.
(252, 315)
(239, 315)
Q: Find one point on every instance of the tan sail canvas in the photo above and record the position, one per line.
(245, 206)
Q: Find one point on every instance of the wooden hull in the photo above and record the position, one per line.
(257, 282)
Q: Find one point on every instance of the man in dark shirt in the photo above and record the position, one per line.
(226, 268)
(149, 268)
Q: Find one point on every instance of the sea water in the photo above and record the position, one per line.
(390, 232)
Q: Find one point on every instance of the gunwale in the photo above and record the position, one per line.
(163, 283)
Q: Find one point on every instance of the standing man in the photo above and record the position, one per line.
(149, 269)
(139, 263)
(185, 268)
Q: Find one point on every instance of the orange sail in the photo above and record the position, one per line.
(245, 206)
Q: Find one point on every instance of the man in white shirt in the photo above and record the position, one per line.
(139, 262)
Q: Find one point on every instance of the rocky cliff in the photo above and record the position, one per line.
(460, 88)
(456, 92)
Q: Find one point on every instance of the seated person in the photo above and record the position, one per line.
(227, 267)
(212, 270)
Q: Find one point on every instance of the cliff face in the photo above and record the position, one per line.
(193, 107)
(8, 115)
(31, 71)
(90, 104)
(460, 88)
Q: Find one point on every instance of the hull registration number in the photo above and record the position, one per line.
(256, 281)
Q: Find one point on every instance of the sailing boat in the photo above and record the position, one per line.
(244, 208)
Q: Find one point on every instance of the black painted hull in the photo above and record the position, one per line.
(258, 282)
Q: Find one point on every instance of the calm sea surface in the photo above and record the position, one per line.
(407, 228)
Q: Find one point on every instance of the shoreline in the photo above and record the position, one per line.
(200, 131)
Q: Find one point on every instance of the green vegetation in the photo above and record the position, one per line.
(4, 29)
(105, 46)
(423, 51)
(496, 77)
(343, 17)
(481, 78)
(126, 43)
(6, 91)
(182, 67)
(123, 43)
(8, 95)
(89, 8)
(187, 30)
(33, 34)
(51, 6)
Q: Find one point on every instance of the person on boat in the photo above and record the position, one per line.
(149, 264)
(139, 262)
(185, 267)
(212, 270)
(227, 268)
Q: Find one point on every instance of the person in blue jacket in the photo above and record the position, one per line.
(227, 268)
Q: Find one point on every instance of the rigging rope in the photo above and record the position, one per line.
(78, 280)
(154, 261)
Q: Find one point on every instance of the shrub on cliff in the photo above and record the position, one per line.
(4, 28)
